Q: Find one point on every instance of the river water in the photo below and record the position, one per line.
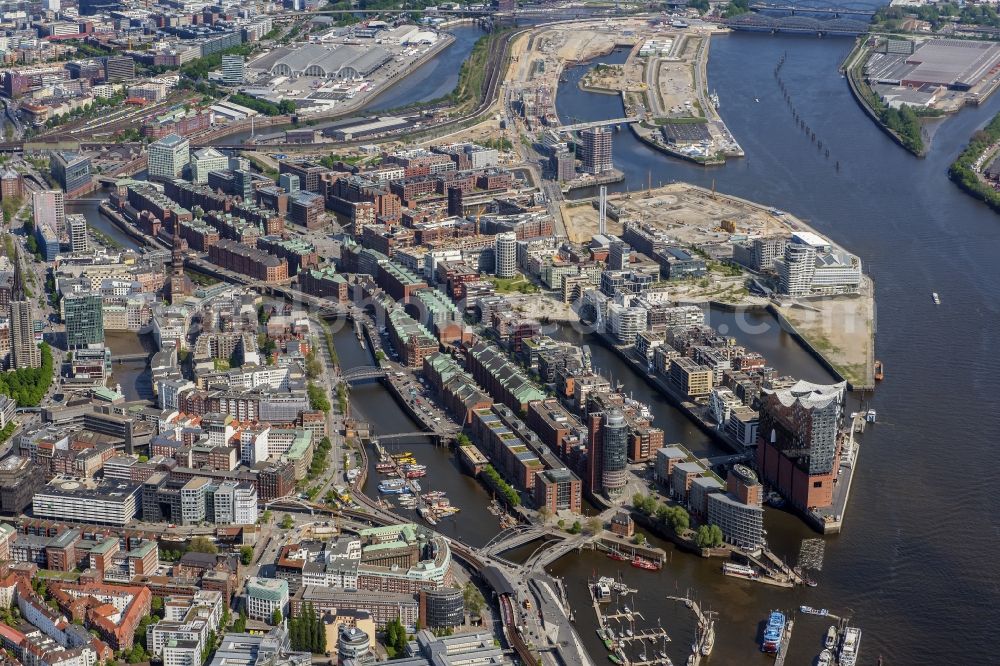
(912, 564)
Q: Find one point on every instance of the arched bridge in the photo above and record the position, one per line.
(814, 7)
(363, 372)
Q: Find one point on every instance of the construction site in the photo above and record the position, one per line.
(837, 329)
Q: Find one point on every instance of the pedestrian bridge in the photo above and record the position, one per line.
(598, 123)
(363, 372)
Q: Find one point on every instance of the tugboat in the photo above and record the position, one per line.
(879, 371)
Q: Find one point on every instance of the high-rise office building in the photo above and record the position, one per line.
(796, 269)
(799, 454)
(84, 316)
(233, 72)
(49, 209)
(289, 182)
(563, 165)
(739, 512)
(168, 157)
(25, 352)
(77, 233)
(243, 184)
(595, 146)
(204, 161)
(71, 171)
(607, 453)
(619, 255)
(119, 68)
(505, 250)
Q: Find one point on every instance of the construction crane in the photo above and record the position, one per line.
(479, 214)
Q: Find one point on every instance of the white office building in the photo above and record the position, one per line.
(77, 233)
(254, 445)
(505, 249)
(205, 160)
(235, 503)
(816, 268)
(266, 595)
(180, 652)
(193, 500)
(168, 157)
(110, 502)
(233, 70)
(625, 322)
(49, 209)
(185, 618)
(721, 403)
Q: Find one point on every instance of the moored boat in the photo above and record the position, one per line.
(393, 487)
(825, 658)
(774, 633)
(618, 555)
(850, 646)
(643, 563)
(879, 371)
(831, 637)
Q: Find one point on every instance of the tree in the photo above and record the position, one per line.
(390, 633)
(545, 513)
(246, 555)
(595, 524)
(317, 398)
(287, 522)
(703, 537)
(137, 655)
(276, 617)
(576, 528)
(240, 625)
(473, 599)
(639, 538)
(314, 367)
(156, 606)
(715, 533)
(201, 544)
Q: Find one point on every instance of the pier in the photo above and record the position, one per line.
(779, 659)
(705, 640)
(616, 641)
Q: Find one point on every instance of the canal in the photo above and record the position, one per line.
(371, 402)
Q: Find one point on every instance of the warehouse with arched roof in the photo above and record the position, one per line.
(327, 61)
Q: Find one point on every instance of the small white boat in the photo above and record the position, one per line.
(871, 415)
(825, 658)
(936, 298)
(831, 638)
(627, 610)
(756, 100)
(628, 632)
